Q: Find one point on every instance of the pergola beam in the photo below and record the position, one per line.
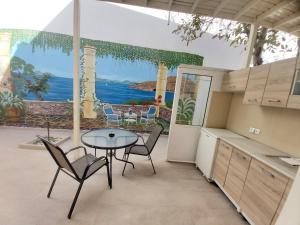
(294, 29)
(220, 7)
(250, 45)
(287, 19)
(170, 4)
(196, 3)
(273, 9)
(246, 8)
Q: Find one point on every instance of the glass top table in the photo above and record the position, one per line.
(110, 139)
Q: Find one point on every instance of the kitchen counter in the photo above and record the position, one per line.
(217, 133)
(261, 152)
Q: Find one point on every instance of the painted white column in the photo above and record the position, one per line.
(5, 79)
(89, 82)
(161, 83)
(250, 45)
(76, 76)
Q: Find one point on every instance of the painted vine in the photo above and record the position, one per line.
(45, 40)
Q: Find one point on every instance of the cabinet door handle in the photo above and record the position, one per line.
(252, 100)
(267, 173)
(225, 146)
(273, 100)
(241, 156)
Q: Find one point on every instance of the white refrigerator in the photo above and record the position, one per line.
(207, 148)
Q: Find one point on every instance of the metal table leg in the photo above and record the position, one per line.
(110, 165)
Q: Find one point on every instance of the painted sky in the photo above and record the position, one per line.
(60, 64)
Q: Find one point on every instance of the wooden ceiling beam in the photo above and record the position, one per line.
(246, 8)
(196, 3)
(294, 29)
(170, 4)
(220, 7)
(287, 19)
(273, 9)
(241, 16)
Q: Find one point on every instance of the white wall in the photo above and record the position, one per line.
(109, 22)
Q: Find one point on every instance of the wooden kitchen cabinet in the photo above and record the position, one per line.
(279, 83)
(222, 162)
(282, 202)
(237, 173)
(263, 191)
(256, 84)
(294, 102)
(235, 81)
(294, 99)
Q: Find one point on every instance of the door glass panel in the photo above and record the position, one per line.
(193, 98)
(296, 90)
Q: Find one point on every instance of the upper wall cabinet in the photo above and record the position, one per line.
(279, 83)
(256, 84)
(236, 81)
(294, 99)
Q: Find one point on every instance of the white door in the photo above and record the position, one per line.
(191, 98)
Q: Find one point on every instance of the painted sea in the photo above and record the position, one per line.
(61, 89)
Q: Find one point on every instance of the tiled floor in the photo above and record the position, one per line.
(177, 194)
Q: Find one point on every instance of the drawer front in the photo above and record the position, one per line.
(283, 200)
(222, 162)
(279, 83)
(276, 98)
(256, 84)
(236, 81)
(237, 173)
(262, 193)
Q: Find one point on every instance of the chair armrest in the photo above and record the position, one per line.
(144, 112)
(151, 116)
(140, 136)
(112, 116)
(92, 163)
(138, 145)
(117, 112)
(79, 147)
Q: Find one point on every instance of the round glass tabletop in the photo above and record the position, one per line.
(109, 138)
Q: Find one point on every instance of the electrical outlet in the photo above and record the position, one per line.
(251, 130)
(256, 131)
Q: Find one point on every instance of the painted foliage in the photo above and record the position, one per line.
(40, 68)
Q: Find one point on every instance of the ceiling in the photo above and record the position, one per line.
(281, 15)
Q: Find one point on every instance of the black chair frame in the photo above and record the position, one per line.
(74, 174)
(126, 155)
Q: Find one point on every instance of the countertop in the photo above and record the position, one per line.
(217, 133)
(261, 152)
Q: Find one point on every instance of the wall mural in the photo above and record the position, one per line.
(37, 67)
